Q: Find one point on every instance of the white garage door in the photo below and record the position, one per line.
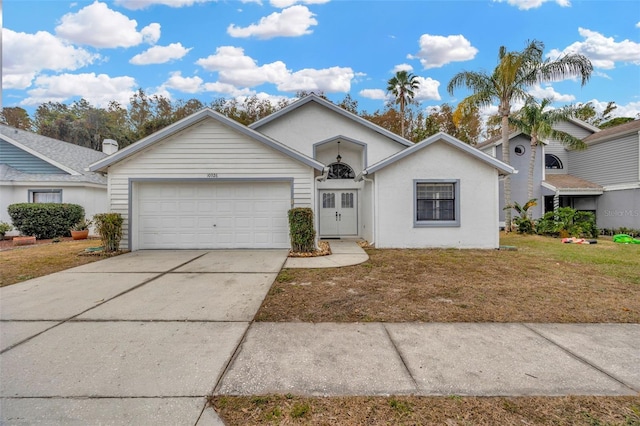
(204, 215)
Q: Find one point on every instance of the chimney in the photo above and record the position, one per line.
(109, 146)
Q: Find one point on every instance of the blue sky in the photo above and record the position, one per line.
(105, 50)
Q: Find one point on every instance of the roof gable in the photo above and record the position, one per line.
(326, 104)
(614, 132)
(503, 168)
(71, 160)
(203, 114)
(20, 158)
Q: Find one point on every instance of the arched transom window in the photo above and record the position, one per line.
(552, 162)
(340, 171)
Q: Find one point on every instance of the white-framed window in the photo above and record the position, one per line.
(436, 202)
(45, 195)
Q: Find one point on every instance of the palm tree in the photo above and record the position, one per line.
(537, 121)
(403, 86)
(515, 73)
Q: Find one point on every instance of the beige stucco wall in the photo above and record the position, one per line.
(477, 193)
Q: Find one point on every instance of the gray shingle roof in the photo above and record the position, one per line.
(615, 131)
(72, 156)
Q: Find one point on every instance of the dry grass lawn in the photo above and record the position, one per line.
(408, 410)
(543, 281)
(27, 262)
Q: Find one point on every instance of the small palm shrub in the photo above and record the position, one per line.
(523, 221)
(566, 221)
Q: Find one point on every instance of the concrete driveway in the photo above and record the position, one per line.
(141, 338)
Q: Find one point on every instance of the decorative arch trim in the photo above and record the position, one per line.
(340, 171)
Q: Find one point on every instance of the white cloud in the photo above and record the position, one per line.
(437, 51)
(99, 89)
(143, 4)
(160, 54)
(402, 67)
(184, 84)
(25, 55)
(632, 109)
(239, 70)
(549, 92)
(377, 94)
(98, 26)
(603, 51)
(428, 89)
(286, 3)
(532, 4)
(330, 80)
(291, 22)
(235, 68)
(638, 24)
(227, 89)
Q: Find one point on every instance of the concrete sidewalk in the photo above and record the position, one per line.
(481, 359)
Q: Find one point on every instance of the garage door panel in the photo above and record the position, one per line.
(213, 215)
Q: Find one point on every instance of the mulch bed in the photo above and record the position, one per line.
(324, 249)
(7, 243)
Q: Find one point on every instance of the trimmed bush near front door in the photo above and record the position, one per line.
(303, 235)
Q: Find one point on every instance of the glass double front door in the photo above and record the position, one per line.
(338, 213)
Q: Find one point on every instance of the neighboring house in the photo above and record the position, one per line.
(209, 182)
(603, 179)
(38, 169)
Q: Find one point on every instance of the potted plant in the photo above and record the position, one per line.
(80, 231)
(4, 228)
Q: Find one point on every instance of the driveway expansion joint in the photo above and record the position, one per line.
(581, 359)
(71, 318)
(404, 362)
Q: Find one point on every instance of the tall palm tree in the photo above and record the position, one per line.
(537, 121)
(403, 86)
(508, 83)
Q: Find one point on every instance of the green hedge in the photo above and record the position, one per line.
(45, 220)
(303, 235)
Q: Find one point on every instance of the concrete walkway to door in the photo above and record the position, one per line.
(141, 338)
(343, 253)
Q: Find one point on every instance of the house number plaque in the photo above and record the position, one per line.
(212, 175)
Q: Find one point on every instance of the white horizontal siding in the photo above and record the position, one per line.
(208, 147)
(608, 163)
(558, 149)
(313, 123)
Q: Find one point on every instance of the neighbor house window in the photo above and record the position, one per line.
(437, 203)
(45, 195)
(552, 162)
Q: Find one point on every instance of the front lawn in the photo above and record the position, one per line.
(24, 263)
(413, 410)
(544, 280)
